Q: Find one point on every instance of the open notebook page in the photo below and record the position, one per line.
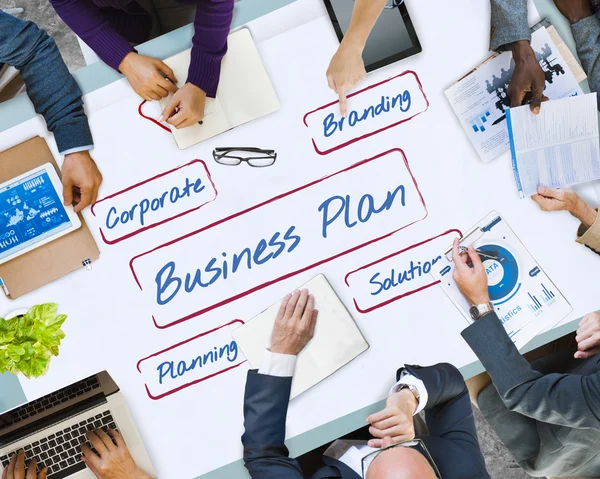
(245, 90)
(336, 342)
(214, 121)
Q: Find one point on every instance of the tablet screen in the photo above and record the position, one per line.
(392, 38)
(30, 211)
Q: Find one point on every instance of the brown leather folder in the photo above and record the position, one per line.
(55, 259)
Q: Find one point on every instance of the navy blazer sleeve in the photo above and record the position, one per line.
(449, 417)
(568, 400)
(265, 410)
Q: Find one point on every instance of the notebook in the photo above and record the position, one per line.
(336, 342)
(245, 91)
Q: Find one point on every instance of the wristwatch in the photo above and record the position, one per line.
(479, 310)
(412, 389)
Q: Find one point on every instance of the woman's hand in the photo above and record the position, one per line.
(186, 107)
(346, 70)
(151, 78)
(554, 199)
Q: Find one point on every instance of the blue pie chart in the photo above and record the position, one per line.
(503, 272)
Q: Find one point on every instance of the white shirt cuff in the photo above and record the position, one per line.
(77, 150)
(274, 364)
(411, 380)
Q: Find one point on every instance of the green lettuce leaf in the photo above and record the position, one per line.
(28, 342)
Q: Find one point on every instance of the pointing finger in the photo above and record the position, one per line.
(343, 103)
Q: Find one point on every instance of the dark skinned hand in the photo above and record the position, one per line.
(528, 77)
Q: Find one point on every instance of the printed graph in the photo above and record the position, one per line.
(478, 122)
(545, 295)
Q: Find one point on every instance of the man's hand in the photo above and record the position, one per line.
(81, 180)
(528, 76)
(146, 76)
(346, 70)
(16, 469)
(471, 279)
(395, 421)
(186, 107)
(113, 460)
(588, 336)
(552, 199)
(574, 10)
(295, 323)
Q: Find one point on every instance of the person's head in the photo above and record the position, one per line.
(400, 463)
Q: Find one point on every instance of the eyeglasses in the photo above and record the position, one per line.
(417, 444)
(256, 157)
(391, 4)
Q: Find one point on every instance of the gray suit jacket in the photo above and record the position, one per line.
(547, 413)
(509, 24)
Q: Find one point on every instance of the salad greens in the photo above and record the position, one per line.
(28, 342)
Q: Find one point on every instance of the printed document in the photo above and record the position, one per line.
(556, 148)
(480, 98)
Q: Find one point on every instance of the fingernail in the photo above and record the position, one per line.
(161, 118)
(536, 110)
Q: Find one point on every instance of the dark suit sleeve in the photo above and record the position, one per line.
(448, 412)
(265, 411)
(568, 400)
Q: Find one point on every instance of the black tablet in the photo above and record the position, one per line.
(393, 37)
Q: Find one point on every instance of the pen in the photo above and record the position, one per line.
(4, 288)
(463, 250)
(176, 108)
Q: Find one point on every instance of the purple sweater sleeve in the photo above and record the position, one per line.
(93, 27)
(212, 23)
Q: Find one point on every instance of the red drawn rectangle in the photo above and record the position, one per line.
(182, 343)
(433, 282)
(326, 151)
(163, 221)
(161, 325)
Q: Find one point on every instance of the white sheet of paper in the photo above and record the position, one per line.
(556, 148)
(336, 342)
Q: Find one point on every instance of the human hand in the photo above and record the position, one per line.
(81, 180)
(528, 76)
(16, 469)
(113, 460)
(346, 70)
(186, 107)
(553, 199)
(295, 323)
(395, 421)
(471, 279)
(574, 10)
(146, 76)
(588, 336)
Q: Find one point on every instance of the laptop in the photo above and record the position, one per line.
(52, 428)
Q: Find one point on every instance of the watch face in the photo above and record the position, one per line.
(474, 312)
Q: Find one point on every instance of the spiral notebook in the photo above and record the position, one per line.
(336, 342)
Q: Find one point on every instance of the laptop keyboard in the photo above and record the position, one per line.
(52, 400)
(61, 451)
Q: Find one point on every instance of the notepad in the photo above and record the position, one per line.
(245, 91)
(556, 148)
(336, 342)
